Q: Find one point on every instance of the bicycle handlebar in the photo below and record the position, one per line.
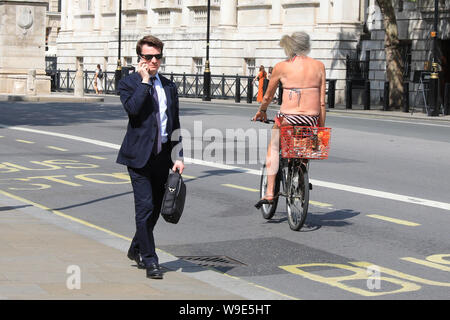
(267, 121)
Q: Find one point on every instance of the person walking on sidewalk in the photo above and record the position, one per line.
(262, 75)
(98, 78)
(151, 102)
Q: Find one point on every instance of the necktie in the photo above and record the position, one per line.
(158, 117)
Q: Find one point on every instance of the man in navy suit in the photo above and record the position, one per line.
(151, 102)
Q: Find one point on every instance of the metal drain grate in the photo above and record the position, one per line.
(213, 261)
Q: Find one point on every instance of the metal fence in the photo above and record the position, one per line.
(189, 85)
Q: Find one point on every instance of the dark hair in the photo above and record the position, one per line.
(98, 66)
(261, 68)
(150, 41)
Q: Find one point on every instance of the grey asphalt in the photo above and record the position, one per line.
(53, 241)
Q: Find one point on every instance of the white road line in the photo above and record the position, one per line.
(325, 184)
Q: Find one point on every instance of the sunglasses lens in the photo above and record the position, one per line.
(149, 57)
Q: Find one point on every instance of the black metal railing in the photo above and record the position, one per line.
(189, 85)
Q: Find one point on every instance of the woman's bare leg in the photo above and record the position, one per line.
(272, 163)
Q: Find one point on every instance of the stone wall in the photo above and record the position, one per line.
(22, 45)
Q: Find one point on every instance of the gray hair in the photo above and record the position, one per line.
(296, 44)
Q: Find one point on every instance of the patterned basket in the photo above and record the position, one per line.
(305, 142)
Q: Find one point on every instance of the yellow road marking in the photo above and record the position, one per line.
(61, 214)
(314, 203)
(24, 141)
(56, 148)
(320, 204)
(393, 220)
(240, 187)
(427, 263)
(94, 157)
(188, 177)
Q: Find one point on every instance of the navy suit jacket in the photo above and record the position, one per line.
(142, 125)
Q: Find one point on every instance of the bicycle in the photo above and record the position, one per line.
(297, 145)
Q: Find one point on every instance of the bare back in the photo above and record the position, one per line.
(303, 79)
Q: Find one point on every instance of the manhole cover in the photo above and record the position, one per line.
(213, 261)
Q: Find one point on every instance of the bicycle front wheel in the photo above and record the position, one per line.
(297, 200)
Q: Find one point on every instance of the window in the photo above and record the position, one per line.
(198, 65)
(164, 17)
(250, 66)
(200, 16)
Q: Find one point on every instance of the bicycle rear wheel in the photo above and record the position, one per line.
(297, 199)
(268, 210)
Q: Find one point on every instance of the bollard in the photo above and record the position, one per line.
(447, 99)
(406, 96)
(367, 95)
(249, 90)
(237, 93)
(197, 95)
(348, 94)
(386, 96)
(223, 86)
(331, 93)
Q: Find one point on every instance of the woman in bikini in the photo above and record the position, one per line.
(303, 79)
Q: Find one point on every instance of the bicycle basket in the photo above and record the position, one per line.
(305, 142)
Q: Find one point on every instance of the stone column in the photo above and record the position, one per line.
(228, 12)
(117, 14)
(185, 16)
(275, 14)
(78, 83)
(63, 15)
(97, 15)
(69, 15)
(151, 15)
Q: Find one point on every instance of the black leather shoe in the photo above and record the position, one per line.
(154, 271)
(134, 255)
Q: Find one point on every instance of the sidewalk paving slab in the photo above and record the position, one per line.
(41, 253)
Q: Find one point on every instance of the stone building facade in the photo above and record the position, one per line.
(244, 34)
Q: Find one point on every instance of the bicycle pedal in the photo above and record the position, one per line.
(310, 186)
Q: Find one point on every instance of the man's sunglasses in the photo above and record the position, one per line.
(149, 57)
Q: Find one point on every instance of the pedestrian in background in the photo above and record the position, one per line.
(151, 102)
(98, 78)
(262, 74)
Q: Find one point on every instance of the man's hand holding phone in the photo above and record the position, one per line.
(143, 71)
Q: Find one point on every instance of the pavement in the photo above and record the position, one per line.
(49, 255)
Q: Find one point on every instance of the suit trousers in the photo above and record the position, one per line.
(148, 188)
